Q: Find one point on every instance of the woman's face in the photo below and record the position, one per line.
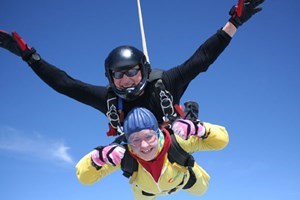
(144, 144)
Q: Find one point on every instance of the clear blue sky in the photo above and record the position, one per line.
(253, 89)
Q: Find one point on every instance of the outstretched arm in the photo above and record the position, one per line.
(99, 163)
(210, 50)
(56, 78)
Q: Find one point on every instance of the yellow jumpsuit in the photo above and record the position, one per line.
(172, 178)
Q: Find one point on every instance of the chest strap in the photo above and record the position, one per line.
(114, 114)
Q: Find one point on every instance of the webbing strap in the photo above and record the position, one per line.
(128, 164)
(178, 155)
(114, 113)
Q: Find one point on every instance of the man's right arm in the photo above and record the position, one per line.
(59, 80)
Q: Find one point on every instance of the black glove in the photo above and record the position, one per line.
(15, 44)
(191, 110)
(243, 11)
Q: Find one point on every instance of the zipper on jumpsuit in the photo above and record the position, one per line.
(156, 183)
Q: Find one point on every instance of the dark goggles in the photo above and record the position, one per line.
(130, 73)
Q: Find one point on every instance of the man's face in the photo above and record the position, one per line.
(127, 78)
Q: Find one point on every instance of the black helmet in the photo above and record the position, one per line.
(123, 58)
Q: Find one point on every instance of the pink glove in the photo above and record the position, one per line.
(111, 154)
(185, 128)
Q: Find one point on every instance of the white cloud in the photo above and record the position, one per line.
(33, 144)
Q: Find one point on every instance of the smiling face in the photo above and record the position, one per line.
(127, 78)
(144, 144)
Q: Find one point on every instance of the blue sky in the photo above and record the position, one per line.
(252, 90)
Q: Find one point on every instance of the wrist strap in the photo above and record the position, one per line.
(95, 165)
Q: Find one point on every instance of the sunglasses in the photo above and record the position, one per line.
(130, 73)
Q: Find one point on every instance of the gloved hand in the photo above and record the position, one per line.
(243, 11)
(111, 154)
(15, 44)
(185, 128)
(191, 110)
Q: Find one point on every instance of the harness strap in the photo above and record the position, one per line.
(177, 155)
(166, 101)
(111, 131)
(192, 180)
(114, 114)
(179, 110)
(128, 164)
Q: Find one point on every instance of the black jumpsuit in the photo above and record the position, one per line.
(175, 79)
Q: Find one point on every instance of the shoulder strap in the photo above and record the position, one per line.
(166, 100)
(178, 155)
(128, 164)
(155, 74)
(165, 97)
(114, 113)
